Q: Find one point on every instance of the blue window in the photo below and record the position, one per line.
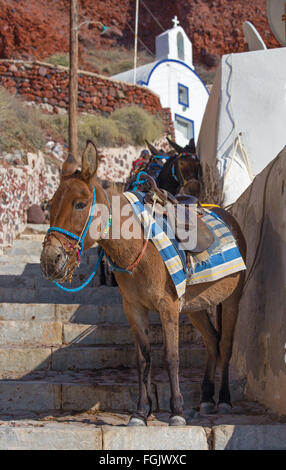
(185, 129)
(183, 95)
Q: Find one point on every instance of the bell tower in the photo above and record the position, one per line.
(174, 44)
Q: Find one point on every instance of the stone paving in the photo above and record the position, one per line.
(68, 376)
(249, 426)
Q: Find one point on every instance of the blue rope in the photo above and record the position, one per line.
(77, 289)
(174, 174)
(162, 157)
(136, 183)
(114, 267)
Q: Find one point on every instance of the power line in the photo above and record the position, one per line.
(140, 40)
(154, 17)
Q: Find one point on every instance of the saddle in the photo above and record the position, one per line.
(205, 237)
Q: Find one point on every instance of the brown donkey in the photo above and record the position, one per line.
(148, 288)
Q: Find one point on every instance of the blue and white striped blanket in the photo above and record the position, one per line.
(221, 259)
(173, 258)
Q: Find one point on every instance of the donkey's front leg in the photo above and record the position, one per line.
(170, 325)
(138, 318)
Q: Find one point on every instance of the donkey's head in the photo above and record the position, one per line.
(70, 213)
(188, 171)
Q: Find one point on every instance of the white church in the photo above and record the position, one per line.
(173, 78)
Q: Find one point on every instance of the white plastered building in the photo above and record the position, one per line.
(244, 123)
(173, 78)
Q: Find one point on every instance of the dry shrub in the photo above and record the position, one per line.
(27, 128)
(128, 125)
(58, 59)
(136, 125)
(20, 125)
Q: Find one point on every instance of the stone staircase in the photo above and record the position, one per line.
(64, 353)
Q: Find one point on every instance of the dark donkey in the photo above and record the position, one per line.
(181, 172)
(149, 287)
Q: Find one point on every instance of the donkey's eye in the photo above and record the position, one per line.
(80, 205)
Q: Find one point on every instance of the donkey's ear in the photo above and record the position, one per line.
(69, 166)
(89, 161)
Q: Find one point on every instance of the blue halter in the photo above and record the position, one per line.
(80, 240)
(72, 235)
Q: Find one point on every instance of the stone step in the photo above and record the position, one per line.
(84, 435)
(25, 359)
(37, 281)
(57, 333)
(26, 257)
(52, 436)
(23, 270)
(32, 236)
(7, 260)
(106, 390)
(54, 295)
(87, 433)
(36, 228)
(102, 312)
(34, 232)
(120, 334)
(31, 333)
(24, 247)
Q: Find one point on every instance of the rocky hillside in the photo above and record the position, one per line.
(36, 29)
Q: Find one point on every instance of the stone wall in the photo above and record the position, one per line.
(29, 179)
(259, 353)
(20, 187)
(48, 85)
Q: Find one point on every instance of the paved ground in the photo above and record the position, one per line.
(249, 426)
(248, 413)
(70, 353)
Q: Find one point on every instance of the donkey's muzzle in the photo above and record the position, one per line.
(54, 263)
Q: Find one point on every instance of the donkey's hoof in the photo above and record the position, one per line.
(224, 408)
(137, 421)
(177, 421)
(207, 408)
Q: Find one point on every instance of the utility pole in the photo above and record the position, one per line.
(73, 80)
(136, 41)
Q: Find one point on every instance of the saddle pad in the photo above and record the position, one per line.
(174, 261)
(221, 259)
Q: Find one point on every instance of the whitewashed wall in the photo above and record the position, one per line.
(247, 103)
(164, 81)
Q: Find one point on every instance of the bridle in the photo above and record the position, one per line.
(77, 248)
(181, 176)
(74, 250)
(66, 243)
